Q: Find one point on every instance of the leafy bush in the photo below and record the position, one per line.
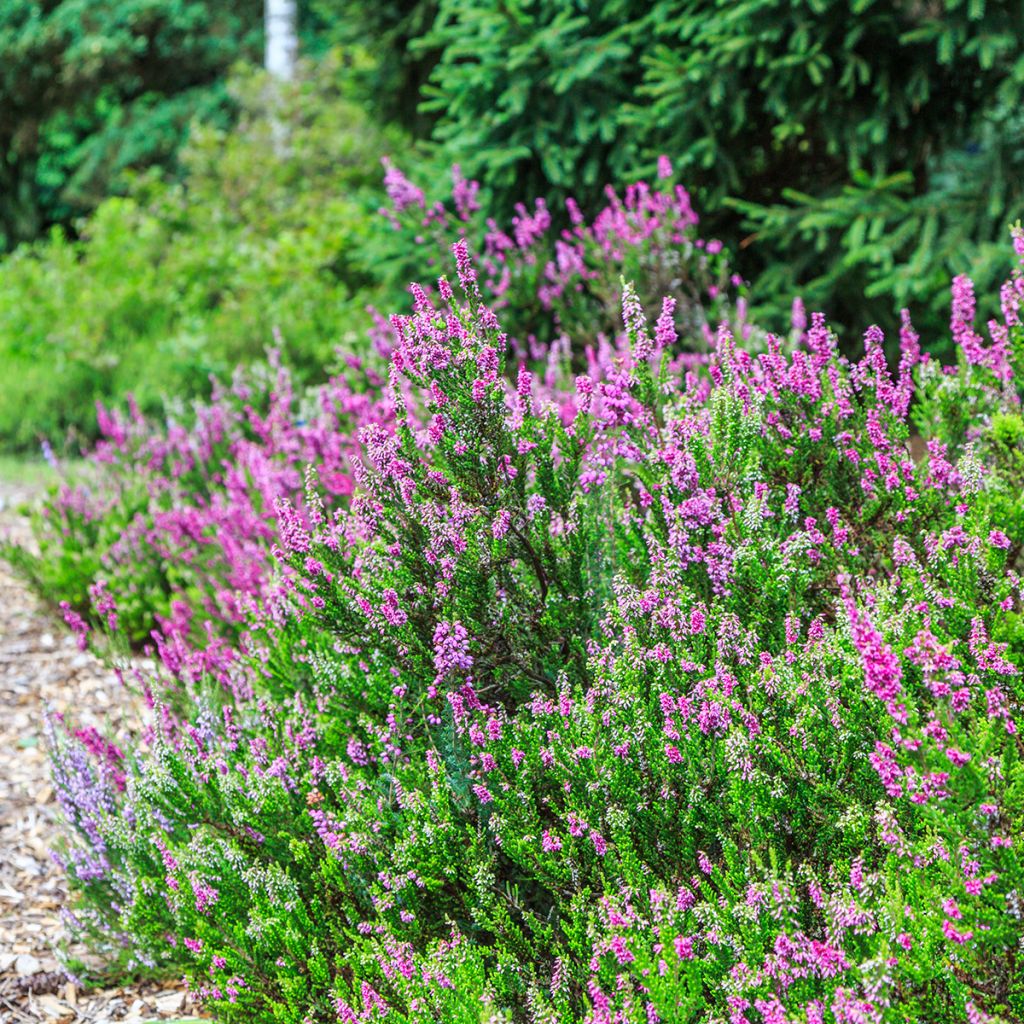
(91, 89)
(651, 693)
(178, 281)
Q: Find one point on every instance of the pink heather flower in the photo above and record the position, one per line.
(501, 524)
(291, 527)
(373, 1003)
(857, 874)
(535, 504)
(344, 1012)
(104, 604)
(949, 907)
(600, 843)
(883, 760)
(664, 167)
(1017, 233)
(550, 843)
(524, 383)
(798, 316)
(206, 896)
(954, 934)
(636, 324)
(848, 1009)
(76, 624)
(483, 794)
(962, 320)
(621, 950)
(530, 228)
(665, 335)
(684, 947)
(792, 629)
(998, 539)
(585, 392)
(393, 615)
(883, 675)
(464, 266)
(792, 502)
(401, 191)
(451, 649)
(464, 194)
(704, 862)
(974, 1015)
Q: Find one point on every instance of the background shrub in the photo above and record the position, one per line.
(255, 247)
(92, 88)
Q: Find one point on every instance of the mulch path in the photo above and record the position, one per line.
(40, 667)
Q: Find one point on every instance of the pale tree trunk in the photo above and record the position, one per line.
(281, 29)
(281, 23)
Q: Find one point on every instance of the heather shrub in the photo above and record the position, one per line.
(179, 280)
(560, 287)
(666, 691)
(182, 510)
(176, 520)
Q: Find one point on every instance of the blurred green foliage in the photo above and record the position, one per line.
(90, 88)
(177, 280)
(392, 33)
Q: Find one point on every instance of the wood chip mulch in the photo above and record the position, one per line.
(40, 667)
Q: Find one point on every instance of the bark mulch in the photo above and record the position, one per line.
(40, 666)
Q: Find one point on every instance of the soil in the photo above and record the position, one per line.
(40, 668)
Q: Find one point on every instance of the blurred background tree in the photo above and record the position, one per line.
(394, 34)
(280, 23)
(90, 88)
